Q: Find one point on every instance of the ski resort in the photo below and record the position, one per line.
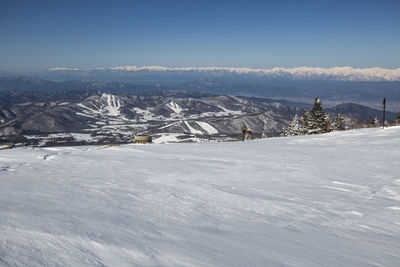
(316, 200)
(200, 133)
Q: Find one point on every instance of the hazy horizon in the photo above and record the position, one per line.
(233, 69)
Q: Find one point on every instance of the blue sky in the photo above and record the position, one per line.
(37, 35)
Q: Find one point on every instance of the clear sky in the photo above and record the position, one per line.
(37, 35)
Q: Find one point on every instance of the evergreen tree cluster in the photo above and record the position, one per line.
(314, 122)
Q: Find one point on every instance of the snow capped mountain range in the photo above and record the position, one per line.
(299, 73)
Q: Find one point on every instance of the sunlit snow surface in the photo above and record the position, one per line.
(324, 200)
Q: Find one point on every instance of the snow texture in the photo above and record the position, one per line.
(191, 129)
(322, 200)
(207, 127)
(174, 107)
(113, 104)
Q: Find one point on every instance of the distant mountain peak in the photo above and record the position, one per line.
(345, 73)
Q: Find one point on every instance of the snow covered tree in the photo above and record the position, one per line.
(375, 122)
(317, 122)
(328, 124)
(304, 123)
(263, 135)
(293, 128)
(340, 123)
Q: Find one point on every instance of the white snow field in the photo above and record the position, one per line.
(323, 200)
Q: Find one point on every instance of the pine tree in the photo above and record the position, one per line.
(304, 123)
(340, 123)
(317, 123)
(293, 128)
(375, 122)
(328, 126)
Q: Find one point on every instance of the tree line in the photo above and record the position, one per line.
(317, 121)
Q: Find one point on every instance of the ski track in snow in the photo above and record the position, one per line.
(324, 200)
(113, 105)
(191, 129)
(207, 127)
(174, 107)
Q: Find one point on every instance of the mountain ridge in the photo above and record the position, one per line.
(114, 118)
(345, 73)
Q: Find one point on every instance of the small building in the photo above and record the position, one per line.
(6, 145)
(143, 139)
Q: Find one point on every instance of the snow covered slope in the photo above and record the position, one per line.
(324, 200)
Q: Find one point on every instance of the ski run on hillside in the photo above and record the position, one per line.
(322, 200)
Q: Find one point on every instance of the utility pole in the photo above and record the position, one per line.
(384, 112)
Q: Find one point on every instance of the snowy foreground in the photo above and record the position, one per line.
(326, 200)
